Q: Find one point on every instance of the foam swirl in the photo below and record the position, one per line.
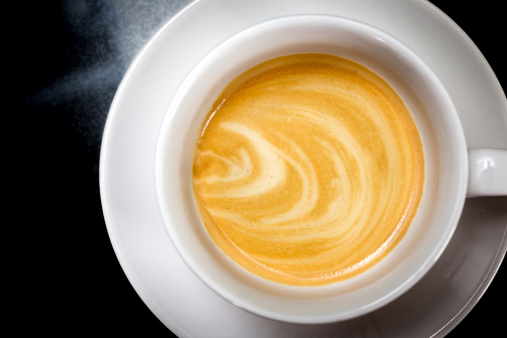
(308, 170)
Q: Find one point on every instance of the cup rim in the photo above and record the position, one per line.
(224, 291)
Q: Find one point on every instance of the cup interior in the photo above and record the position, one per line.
(445, 173)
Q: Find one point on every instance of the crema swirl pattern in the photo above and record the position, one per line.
(308, 170)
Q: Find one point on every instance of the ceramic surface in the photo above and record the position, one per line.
(135, 228)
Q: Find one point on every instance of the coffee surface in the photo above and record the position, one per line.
(308, 169)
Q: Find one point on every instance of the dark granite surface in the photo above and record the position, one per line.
(69, 57)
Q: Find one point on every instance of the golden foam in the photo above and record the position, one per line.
(308, 170)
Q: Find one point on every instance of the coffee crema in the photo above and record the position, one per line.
(308, 169)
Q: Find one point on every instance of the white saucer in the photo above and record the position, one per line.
(145, 252)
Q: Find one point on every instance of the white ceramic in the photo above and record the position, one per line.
(432, 307)
(487, 174)
(446, 172)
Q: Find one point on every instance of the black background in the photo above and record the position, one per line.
(68, 276)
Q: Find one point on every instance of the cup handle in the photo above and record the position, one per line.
(487, 172)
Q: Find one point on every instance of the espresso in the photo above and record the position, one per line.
(308, 169)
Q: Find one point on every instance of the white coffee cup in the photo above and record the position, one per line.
(447, 181)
